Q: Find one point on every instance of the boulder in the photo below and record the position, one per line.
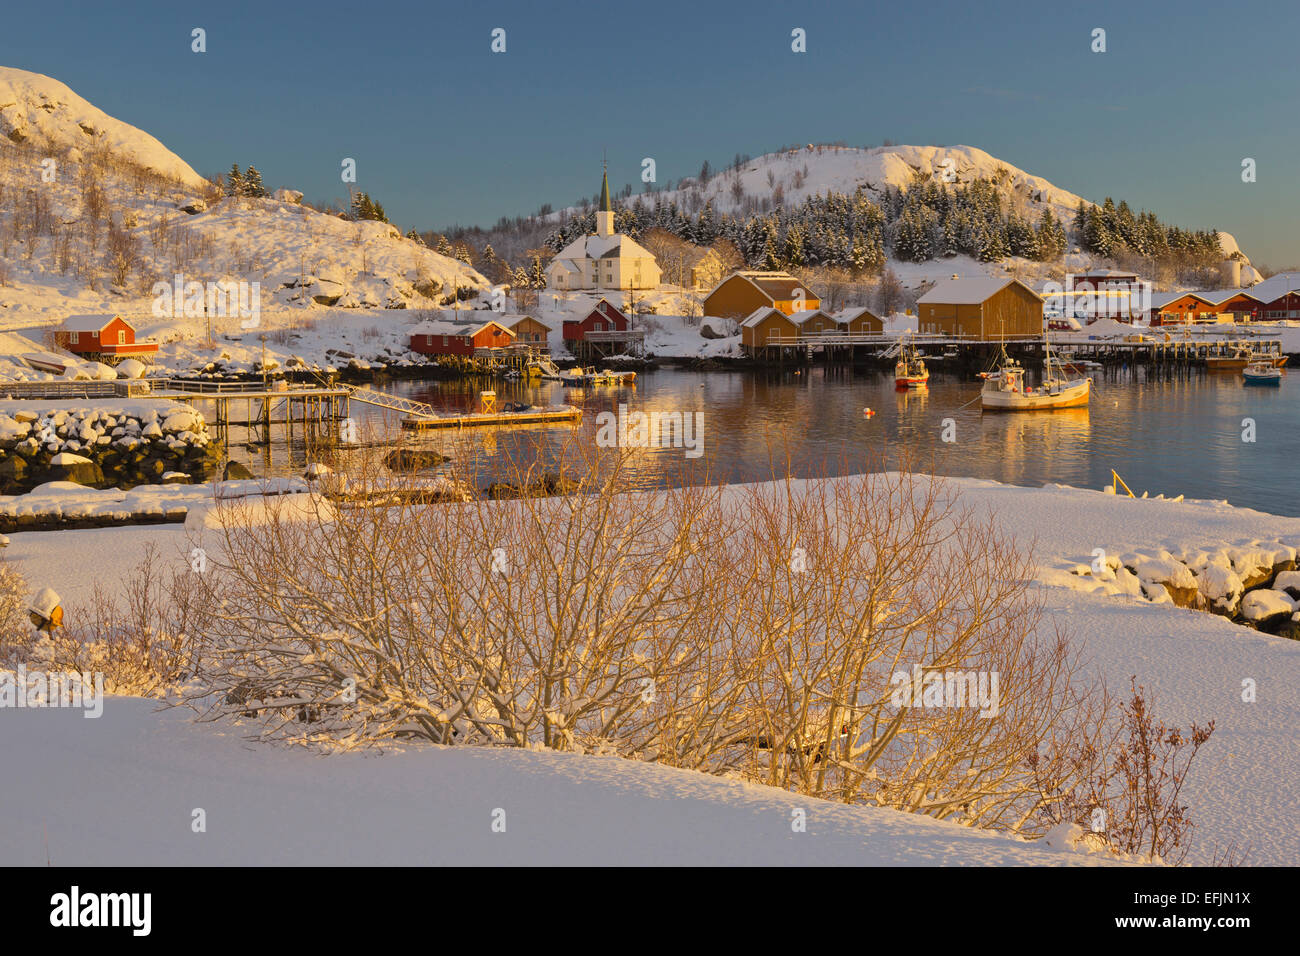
(192, 207)
(234, 471)
(68, 467)
(1267, 610)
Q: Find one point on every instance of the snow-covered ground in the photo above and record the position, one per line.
(430, 805)
(123, 789)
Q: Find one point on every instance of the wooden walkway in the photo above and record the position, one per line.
(563, 413)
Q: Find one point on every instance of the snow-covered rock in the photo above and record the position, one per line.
(1260, 605)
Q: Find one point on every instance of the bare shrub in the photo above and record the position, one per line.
(1136, 781)
(138, 639)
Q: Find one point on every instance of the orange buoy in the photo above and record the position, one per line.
(867, 413)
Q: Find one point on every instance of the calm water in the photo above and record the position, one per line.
(1171, 435)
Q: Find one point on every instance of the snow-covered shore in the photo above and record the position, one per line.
(271, 805)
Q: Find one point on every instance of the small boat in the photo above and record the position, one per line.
(1262, 373)
(910, 372)
(589, 377)
(49, 362)
(1005, 389)
(1229, 363)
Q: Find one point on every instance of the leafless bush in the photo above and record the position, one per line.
(1128, 791)
(122, 254)
(138, 639)
(673, 625)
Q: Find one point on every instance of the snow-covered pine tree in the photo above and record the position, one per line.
(253, 187)
(234, 181)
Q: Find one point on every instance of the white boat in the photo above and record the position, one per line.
(1006, 389)
(1262, 373)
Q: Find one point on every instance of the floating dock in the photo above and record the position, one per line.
(534, 416)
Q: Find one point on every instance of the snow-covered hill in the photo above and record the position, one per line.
(121, 213)
(812, 170)
(808, 171)
(39, 110)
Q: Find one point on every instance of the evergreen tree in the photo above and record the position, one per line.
(253, 187)
(234, 181)
(536, 274)
(444, 247)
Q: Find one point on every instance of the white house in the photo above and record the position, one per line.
(606, 260)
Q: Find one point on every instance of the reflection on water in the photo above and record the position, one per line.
(1180, 434)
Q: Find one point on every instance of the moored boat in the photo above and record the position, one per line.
(1229, 363)
(1262, 373)
(910, 372)
(1005, 389)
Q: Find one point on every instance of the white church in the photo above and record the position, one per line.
(606, 260)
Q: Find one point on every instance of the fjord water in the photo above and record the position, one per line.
(1164, 434)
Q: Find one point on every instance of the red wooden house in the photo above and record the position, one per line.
(461, 335)
(602, 318)
(102, 337)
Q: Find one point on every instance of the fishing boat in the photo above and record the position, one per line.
(910, 372)
(1005, 388)
(1262, 373)
(1229, 363)
(589, 377)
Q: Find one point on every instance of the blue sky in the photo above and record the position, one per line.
(445, 131)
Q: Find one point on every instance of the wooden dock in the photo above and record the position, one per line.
(536, 416)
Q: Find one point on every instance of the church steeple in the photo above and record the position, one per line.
(605, 212)
(605, 204)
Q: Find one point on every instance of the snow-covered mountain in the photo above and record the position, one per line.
(117, 212)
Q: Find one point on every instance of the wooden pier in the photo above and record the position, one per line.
(1149, 346)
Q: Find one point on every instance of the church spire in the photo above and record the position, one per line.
(605, 212)
(605, 204)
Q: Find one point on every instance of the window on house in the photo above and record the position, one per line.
(121, 337)
(75, 335)
(445, 340)
(428, 340)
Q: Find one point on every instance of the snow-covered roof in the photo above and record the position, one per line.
(778, 286)
(969, 291)
(617, 246)
(1275, 287)
(1217, 296)
(467, 324)
(799, 318)
(1105, 274)
(844, 316)
(88, 323)
(758, 315)
(1161, 299)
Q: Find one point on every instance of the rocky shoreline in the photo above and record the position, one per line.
(1254, 585)
(108, 444)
